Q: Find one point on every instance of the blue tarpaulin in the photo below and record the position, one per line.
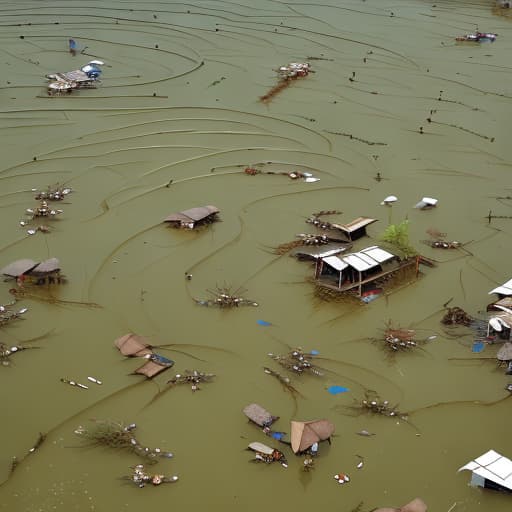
(334, 390)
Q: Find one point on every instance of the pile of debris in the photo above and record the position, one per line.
(87, 77)
(457, 316)
(286, 75)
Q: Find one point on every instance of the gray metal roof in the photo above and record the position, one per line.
(193, 214)
(362, 260)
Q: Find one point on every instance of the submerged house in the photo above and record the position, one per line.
(504, 290)
(355, 229)
(358, 270)
(194, 217)
(491, 471)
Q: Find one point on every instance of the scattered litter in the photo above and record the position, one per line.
(365, 433)
(334, 390)
(141, 478)
(74, 383)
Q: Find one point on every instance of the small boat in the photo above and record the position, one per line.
(264, 453)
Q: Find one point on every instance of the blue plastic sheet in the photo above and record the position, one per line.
(263, 322)
(334, 390)
(478, 346)
(278, 435)
(314, 352)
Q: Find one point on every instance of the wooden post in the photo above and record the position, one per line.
(360, 285)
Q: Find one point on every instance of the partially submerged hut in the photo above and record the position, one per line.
(18, 268)
(48, 271)
(257, 414)
(355, 229)
(504, 290)
(133, 345)
(154, 365)
(358, 269)
(491, 471)
(304, 434)
(190, 219)
(416, 505)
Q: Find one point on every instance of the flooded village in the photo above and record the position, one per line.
(259, 251)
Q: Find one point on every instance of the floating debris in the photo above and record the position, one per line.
(457, 316)
(335, 390)
(297, 361)
(264, 453)
(398, 338)
(426, 203)
(365, 433)
(7, 314)
(373, 404)
(141, 478)
(264, 323)
(192, 377)
(477, 37)
(225, 298)
(96, 381)
(7, 351)
(261, 417)
(87, 77)
(286, 76)
(117, 435)
(294, 175)
(74, 383)
(389, 200)
(52, 193)
(342, 478)
(308, 463)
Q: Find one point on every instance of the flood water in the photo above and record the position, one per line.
(174, 123)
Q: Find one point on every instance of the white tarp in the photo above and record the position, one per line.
(504, 289)
(492, 466)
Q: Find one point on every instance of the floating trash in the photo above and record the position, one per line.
(225, 298)
(141, 478)
(365, 433)
(263, 323)
(334, 390)
(342, 478)
(389, 200)
(74, 383)
(192, 377)
(93, 379)
(297, 361)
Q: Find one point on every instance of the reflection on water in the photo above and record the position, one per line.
(393, 105)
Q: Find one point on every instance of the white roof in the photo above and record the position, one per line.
(492, 466)
(335, 262)
(504, 289)
(362, 260)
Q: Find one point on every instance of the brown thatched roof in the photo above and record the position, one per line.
(416, 505)
(306, 433)
(192, 215)
(18, 267)
(259, 415)
(150, 369)
(133, 345)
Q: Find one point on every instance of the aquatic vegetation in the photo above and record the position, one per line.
(398, 236)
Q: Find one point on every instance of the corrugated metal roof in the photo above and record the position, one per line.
(492, 466)
(356, 224)
(335, 262)
(193, 214)
(378, 254)
(504, 289)
(362, 260)
(318, 252)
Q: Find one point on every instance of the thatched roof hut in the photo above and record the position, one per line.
(305, 434)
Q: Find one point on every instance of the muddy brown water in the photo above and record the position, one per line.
(179, 101)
